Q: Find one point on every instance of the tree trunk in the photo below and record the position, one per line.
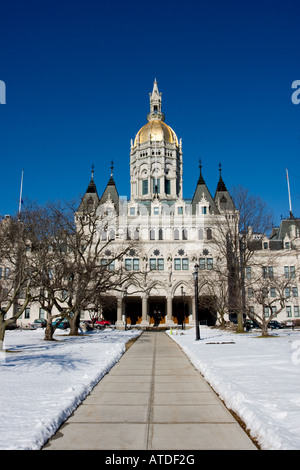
(49, 330)
(2, 332)
(74, 324)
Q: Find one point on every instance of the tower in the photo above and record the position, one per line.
(156, 157)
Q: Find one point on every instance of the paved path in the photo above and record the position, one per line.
(152, 399)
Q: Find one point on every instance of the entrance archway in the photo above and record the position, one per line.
(133, 310)
(157, 311)
(181, 311)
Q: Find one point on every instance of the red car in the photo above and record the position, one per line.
(101, 323)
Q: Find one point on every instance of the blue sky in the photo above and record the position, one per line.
(78, 76)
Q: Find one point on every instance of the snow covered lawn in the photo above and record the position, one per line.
(258, 378)
(42, 382)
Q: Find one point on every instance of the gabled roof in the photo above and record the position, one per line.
(110, 192)
(90, 197)
(203, 192)
(222, 196)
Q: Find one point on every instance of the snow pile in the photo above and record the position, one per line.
(42, 382)
(258, 378)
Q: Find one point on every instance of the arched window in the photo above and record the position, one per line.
(160, 234)
(209, 234)
(176, 234)
(152, 234)
(112, 234)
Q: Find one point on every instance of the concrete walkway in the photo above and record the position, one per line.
(152, 399)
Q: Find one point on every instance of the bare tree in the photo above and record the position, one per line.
(15, 279)
(231, 241)
(92, 265)
(267, 291)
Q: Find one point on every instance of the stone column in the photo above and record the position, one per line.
(119, 322)
(192, 317)
(144, 321)
(169, 311)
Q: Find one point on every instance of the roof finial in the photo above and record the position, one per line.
(220, 168)
(93, 171)
(111, 168)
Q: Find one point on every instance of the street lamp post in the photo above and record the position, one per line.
(195, 276)
(183, 299)
(125, 313)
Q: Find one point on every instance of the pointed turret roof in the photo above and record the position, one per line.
(90, 197)
(222, 196)
(201, 192)
(110, 192)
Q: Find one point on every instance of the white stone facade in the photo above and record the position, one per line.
(171, 235)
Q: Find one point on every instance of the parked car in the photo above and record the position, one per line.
(288, 324)
(249, 324)
(274, 324)
(38, 324)
(62, 324)
(101, 323)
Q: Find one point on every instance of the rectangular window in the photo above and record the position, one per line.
(152, 234)
(111, 266)
(292, 272)
(128, 264)
(202, 263)
(185, 264)
(177, 264)
(42, 314)
(156, 211)
(156, 182)
(272, 292)
(288, 311)
(136, 264)
(274, 310)
(287, 292)
(27, 313)
(132, 210)
(248, 272)
(289, 272)
(209, 263)
(286, 272)
(152, 264)
(145, 186)
(267, 312)
(6, 273)
(296, 311)
(168, 186)
(250, 292)
(270, 272)
(160, 264)
(295, 291)
(0, 273)
(179, 210)
(204, 210)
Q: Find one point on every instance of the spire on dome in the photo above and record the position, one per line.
(155, 105)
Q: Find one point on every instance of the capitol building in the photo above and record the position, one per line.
(179, 261)
(172, 237)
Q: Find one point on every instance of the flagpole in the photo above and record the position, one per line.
(288, 183)
(21, 189)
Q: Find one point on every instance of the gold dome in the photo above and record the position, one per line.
(156, 131)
